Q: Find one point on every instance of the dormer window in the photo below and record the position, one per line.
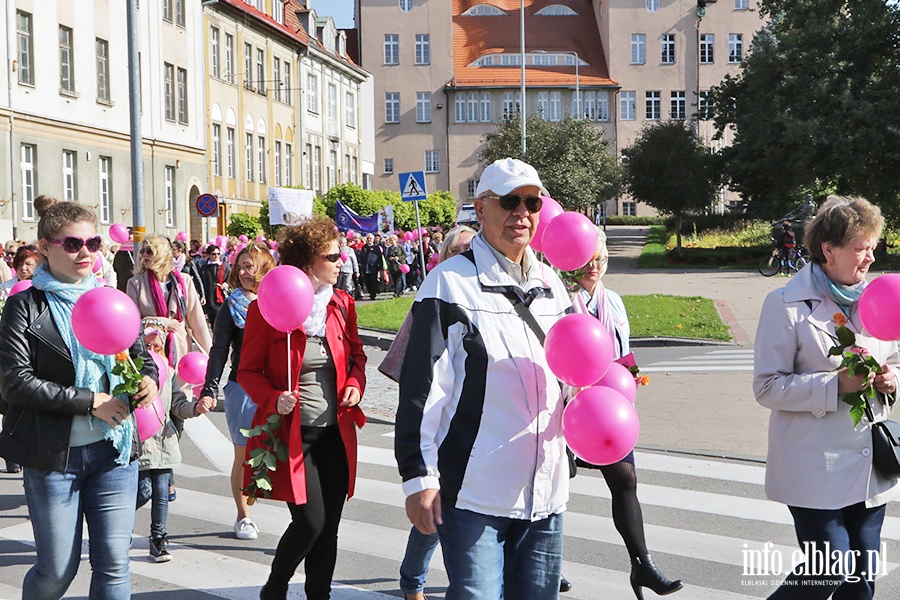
(405, 5)
(556, 10)
(484, 10)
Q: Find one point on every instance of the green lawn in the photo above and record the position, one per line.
(650, 316)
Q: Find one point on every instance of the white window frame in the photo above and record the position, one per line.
(485, 113)
(170, 196)
(392, 49)
(248, 155)
(332, 102)
(169, 91)
(28, 159)
(317, 169)
(217, 149)
(179, 13)
(214, 52)
(229, 58)
(229, 151)
(555, 106)
(261, 70)
(459, 108)
(423, 49)
(288, 164)
(652, 5)
(603, 105)
(66, 60)
(653, 105)
(703, 106)
(638, 48)
(307, 165)
(25, 47)
(288, 67)
(276, 76)
(707, 48)
(741, 4)
(678, 105)
(628, 105)
(277, 163)
(70, 175)
(543, 105)
(392, 107)
(667, 49)
(182, 96)
(471, 188)
(350, 109)
(261, 157)
(248, 66)
(312, 93)
(104, 168)
(405, 5)
(278, 10)
(101, 48)
(590, 105)
(432, 161)
(629, 209)
(735, 48)
(388, 166)
(472, 107)
(423, 107)
(331, 167)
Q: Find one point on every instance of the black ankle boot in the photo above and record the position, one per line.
(645, 574)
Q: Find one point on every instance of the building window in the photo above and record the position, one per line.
(628, 106)
(471, 187)
(229, 58)
(543, 105)
(24, 49)
(276, 77)
(248, 67)
(350, 109)
(741, 4)
(277, 163)
(170, 196)
(667, 54)
(229, 150)
(102, 47)
(307, 164)
(312, 93)
(432, 161)
(261, 70)
(652, 5)
(638, 48)
(484, 10)
(26, 166)
(472, 105)
(405, 5)
(510, 104)
(391, 49)
(555, 106)
(261, 156)
(459, 108)
(679, 106)
(69, 172)
(423, 107)
(288, 160)
(248, 155)
(577, 107)
(629, 209)
(216, 149)
(707, 44)
(332, 103)
(278, 10)
(66, 67)
(182, 97)
(603, 106)
(105, 189)
(214, 51)
(169, 90)
(392, 107)
(486, 107)
(590, 106)
(653, 106)
(317, 169)
(388, 166)
(704, 107)
(735, 47)
(167, 10)
(423, 49)
(288, 67)
(332, 169)
(179, 13)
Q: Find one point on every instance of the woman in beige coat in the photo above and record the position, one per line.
(166, 300)
(819, 464)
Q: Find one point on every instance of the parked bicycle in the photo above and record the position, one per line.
(787, 259)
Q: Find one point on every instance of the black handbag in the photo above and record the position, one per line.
(885, 446)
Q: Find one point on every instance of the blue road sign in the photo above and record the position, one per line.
(412, 186)
(207, 205)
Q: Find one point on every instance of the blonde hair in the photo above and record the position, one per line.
(838, 222)
(262, 260)
(450, 240)
(163, 263)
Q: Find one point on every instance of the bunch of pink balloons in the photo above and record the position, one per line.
(285, 298)
(579, 350)
(600, 425)
(877, 305)
(106, 321)
(620, 379)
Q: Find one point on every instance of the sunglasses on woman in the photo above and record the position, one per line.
(332, 257)
(73, 245)
(512, 201)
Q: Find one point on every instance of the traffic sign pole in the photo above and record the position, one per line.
(421, 241)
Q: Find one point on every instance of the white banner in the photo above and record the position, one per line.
(288, 206)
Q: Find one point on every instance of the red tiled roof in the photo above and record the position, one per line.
(286, 29)
(474, 37)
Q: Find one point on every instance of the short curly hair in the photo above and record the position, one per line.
(61, 214)
(838, 222)
(299, 245)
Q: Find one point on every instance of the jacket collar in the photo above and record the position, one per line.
(803, 288)
(493, 277)
(44, 328)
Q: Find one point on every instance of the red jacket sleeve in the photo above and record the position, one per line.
(357, 375)
(254, 354)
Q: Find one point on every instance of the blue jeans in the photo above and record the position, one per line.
(154, 484)
(414, 567)
(854, 531)
(239, 411)
(488, 558)
(93, 486)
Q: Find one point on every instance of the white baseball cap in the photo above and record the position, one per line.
(504, 175)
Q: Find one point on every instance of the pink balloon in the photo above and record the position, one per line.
(106, 321)
(549, 211)
(569, 241)
(285, 297)
(350, 233)
(118, 233)
(423, 231)
(197, 390)
(102, 282)
(181, 237)
(192, 367)
(404, 268)
(273, 245)
(601, 426)
(19, 286)
(877, 305)
(619, 378)
(98, 264)
(243, 238)
(162, 367)
(408, 236)
(579, 350)
(344, 257)
(221, 241)
(149, 419)
(415, 234)
(432, 263)
(260, 238)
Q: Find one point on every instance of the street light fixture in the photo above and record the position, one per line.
(578, 103)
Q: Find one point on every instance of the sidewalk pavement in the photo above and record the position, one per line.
(707, 413)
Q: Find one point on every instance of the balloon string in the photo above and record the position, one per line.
(289, 362)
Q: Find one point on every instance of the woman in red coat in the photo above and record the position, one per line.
(319, 409)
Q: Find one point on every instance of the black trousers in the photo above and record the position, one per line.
(312, 534)
(373, 285)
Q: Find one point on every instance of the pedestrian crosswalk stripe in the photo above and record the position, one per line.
(217, 448)
(716, 360)
(695, 368)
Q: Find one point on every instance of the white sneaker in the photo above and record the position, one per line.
(246, 529)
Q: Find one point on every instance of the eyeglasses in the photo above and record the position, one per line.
(512, 201)
(215, 253)
(332, 257)
(147, 251)
(73, 245)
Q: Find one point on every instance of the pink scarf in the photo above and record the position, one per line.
(161, 306)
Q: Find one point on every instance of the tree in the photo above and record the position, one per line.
(571, 156)
(814, 105)
(439, 209)
(668, 168)
(244, 224)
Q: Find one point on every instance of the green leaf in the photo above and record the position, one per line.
(857, 413)
(256, 452)
(853, 399)
(138, 363)
(264, 484)
(846, 337)
(274, 418)
(836, 351)
(281, 452)
(269, 460)
(255, 461)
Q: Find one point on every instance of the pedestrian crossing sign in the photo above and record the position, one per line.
(412, 186)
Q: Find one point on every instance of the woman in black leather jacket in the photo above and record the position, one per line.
(76, 443)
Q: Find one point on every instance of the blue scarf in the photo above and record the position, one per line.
(845, 296)
(89, 366)
(238, 302)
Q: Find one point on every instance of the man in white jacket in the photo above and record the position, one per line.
(478, 436)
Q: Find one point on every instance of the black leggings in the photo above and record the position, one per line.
(312, 534)
(626, 510)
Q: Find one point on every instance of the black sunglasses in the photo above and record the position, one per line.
(512, 201)
(73, 245)
(147, 251)
(332, 257)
